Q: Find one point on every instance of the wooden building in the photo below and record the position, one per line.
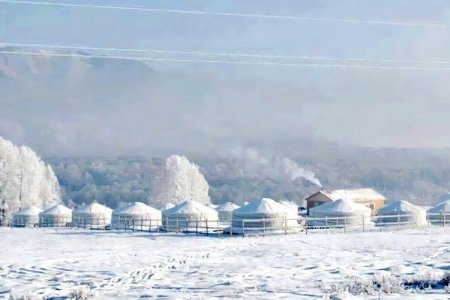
(365, 196)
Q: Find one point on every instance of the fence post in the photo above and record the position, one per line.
(196, 226)
(231, 227)
(207, 230)
(177, 226)
(326, 223)
(167, 224)
(150, 224)
(264, 227)
(398, 220)
(443, 219)
(285, 224)
(243, 228)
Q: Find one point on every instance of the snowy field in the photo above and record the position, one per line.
(37, 263)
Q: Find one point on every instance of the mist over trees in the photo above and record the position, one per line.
(25, 180)
(420, 176)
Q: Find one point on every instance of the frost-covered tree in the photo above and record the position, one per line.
(177, 181)
(25, 180)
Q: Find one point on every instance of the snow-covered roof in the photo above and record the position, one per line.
(289, 204)
(57, 210)
(229, 206)
(93, 208)
(212, 205)
(136, 208)
(341, 206)
(167, 206)
(444, 197)
(261, 206)
(441, 207)
(191, 207)
(30, 211)
(367, 194)
(402, 207)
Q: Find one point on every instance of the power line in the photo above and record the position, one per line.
(228, 14)
(222, 54)
(230, 62)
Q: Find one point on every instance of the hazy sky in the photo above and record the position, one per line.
(203, 107)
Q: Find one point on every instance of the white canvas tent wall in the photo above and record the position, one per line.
(190, 215)
(264, 216)
(293, 211)
(225, 211)
(402, 212)
(339, 213)
(56, 216)
(92, 215)
(27, 217)
(440, 212)
(136, 216)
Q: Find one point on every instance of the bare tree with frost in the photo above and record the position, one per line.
(179, 180)
(25, 180)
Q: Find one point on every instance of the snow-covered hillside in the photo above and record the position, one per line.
(50, 262)
(25, 180)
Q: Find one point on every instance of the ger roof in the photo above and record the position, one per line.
(441, 207)
(399, 207)
(94, 207)
(341, 206)
(30, 211)
(136, 208)
(57, 210)
(229, 206)
(262, 206)
(352, 194)
(190, 207)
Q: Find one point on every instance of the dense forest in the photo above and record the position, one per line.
(420, 176)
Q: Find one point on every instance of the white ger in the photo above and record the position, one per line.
(191, 216)
(136, 216)
(264, 216)
(92, 215)
(56, 216)
(27, 217)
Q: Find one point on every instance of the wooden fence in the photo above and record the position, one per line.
(262, 226)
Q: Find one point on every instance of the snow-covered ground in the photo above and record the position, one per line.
(51, 262)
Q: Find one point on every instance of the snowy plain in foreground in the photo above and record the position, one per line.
(49, 262)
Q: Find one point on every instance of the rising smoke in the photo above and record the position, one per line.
(254, 163)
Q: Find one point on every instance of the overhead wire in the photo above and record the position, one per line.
(230, 62)
(228, 14)
(221, 54)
